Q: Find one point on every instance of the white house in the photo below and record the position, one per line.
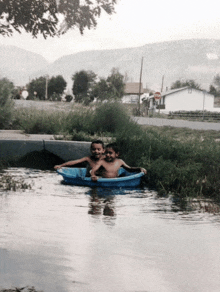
(184, 99)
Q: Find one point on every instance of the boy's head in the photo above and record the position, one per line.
(97, 148)
(111, 152)
(97, 142)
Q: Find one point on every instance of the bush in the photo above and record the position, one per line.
(68, 98)
(6, 104)
(111, 117)
(79, 120)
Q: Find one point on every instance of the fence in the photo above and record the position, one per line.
(195, 115)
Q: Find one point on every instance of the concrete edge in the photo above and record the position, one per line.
(66, 150)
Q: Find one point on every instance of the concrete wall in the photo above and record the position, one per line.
(13, 149)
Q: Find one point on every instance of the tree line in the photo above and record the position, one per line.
(214, 88)
(87, 86)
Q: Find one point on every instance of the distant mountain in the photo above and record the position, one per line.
(18, 65)
(197, 59)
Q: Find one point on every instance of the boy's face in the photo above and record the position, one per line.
(97, 150)
(110, 155)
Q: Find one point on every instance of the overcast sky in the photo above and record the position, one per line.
(136, 23)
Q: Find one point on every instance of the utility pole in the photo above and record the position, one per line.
(139, 99)
(203, 110)
(46, 90)
(162, 84)
(161, 92)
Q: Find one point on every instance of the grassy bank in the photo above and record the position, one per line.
(183, 162)
(184, 168)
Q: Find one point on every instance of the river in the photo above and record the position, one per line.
(61, 238)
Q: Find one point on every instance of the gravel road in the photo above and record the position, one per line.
(177, 123)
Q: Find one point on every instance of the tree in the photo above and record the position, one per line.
(116, 79)
(84, 81)
(216, 81)
(110, 88)
(37, 88)
(16, 92)
(51, 17)
(215, 90)
(101, 90)
(191, 83)
(6, 106)
(56, 86)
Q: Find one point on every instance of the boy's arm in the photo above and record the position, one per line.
(94, 169)
(72, 162)
(131, 169)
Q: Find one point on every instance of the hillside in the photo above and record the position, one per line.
(189, 59)
(18, 65)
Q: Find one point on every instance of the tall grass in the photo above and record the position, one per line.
(107, 118)
(6, 104)
(79, 120)
(184, 169)
(33, 121)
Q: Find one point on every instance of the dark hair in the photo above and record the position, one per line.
(114, 146)
(98, 142)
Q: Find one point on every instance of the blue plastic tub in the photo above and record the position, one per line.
(77, 176)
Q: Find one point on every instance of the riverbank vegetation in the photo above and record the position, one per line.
(182, 162)
(22, 289)
(11, 184)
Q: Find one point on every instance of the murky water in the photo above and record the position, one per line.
(62, 238)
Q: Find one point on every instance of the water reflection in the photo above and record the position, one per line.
(194, 210)
(101, 202)
(102, 199)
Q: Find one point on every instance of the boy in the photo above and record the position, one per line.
(111, 164)
(97, 151)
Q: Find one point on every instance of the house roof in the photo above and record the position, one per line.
(133, 88)
(169, 92)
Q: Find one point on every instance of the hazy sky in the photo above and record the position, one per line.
(136, 23)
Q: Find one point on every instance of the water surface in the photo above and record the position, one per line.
(62, 238)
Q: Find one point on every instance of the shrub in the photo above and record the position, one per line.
(6, 104)
(111, 117)
(79, 120)
(68, 98)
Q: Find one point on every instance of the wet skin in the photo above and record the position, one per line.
(97, 152)
(111, 164)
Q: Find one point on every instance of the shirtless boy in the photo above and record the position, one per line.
(111, 164)
(97, 152)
